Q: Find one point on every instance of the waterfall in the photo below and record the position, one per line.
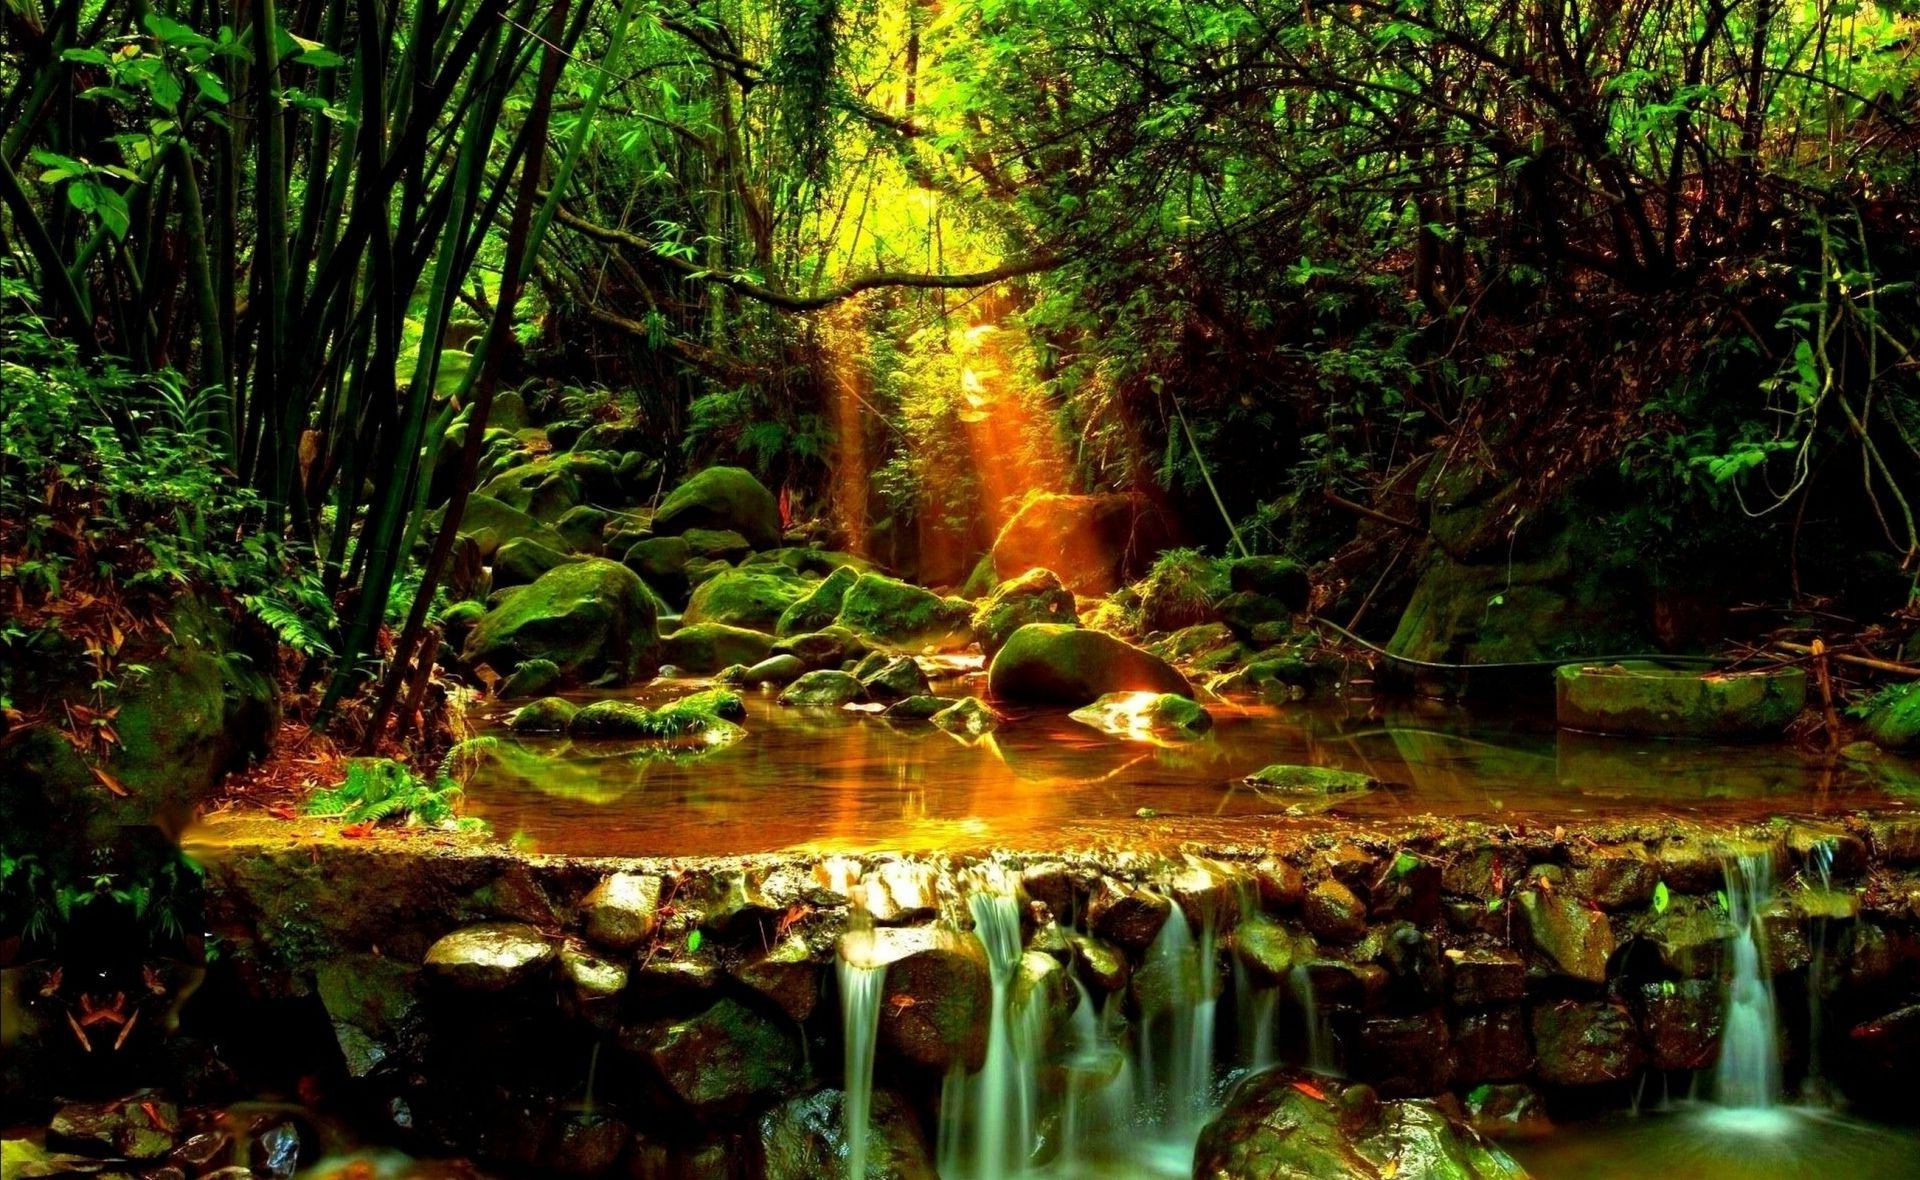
(1820, 863)
(1749, 1073)
(1176, 1041)
(1320, 1058)
(1254, 1007)
(860, 987)
(988, 1122)
(1097, 1082)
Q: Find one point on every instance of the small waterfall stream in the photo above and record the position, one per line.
(1748, 1077)
(1319, 1035)
(860, 988)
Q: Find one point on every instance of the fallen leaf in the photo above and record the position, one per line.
(108, 781)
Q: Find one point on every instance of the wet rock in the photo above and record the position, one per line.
(1332, 912)
(531, 679)
(1510, 1111)
(583, 1143)
(1272, 577)
(936, 1000)
(1140, 714)
(820, 607)
(1896, 840)
(591, 980)
(1585, 1043)
(753, 597)
(898, 891)
(546, 715)
(788, 975)
(897, 679)
(1405, 1056)
(1615, 878)
(1284, 779)
(606, 719)
(1261, 619)
(1571, 938)
(1323, 1128)
(893, 613)
(829, 647)
(373, 1005)
(1269, 951)
(1094, 543)
(1691, 937)
(594, 619)
(803, 1138)
(1206, 647)
(1061, 665)
(522, 560)
(1041, 985)
(489, 957)
(1035, 596)
(916, 708)
(673, 978)
(702, 648)
(722, 498)
(1127, 916)
(1682, 1022)
(1485, 871)
(201, 1152)
(823, 688)
(719, 1063)
(275, 1152)
(661, 562)
(967, 717)
(622, 910)
(1691, 865)
(1281, 885)
(716, 544)
(1408, 890)
(1101, 966)
(126, 1129)
(1823, 850)
(1647, 700)
(775, 670)
(1483, 976)
(1490, 1045)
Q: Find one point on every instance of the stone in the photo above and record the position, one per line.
(1126, 916)
(622, 910)
(1406, 1056)
(1146, 715)
(936, 999)
(532, 678)
(1332, 911)
(829, 647)
(719, 1063)
(1101, 966)
(1309, 781)
(888, 612)
(821, 606)
(898, 891)
(1255, 616)
(916, 708)
(662, 563)
(1691, 937)
(753, 597)
(1893, 718)
(1644, 699)
(778, 671)
(722, 498)
(1284, 1125)
(1490, 1045)
(1269, 951)
(1571, 938)
(787, 974)
(1582, 1043)
(591, 979)
(141, 1128)
(546, 715)
(823, 688)
(608, 719)
(592, 618)
(804, 1138)
(1035, 596)
(1279, 578)
(967, 717)
(546, 486)
(1826, 852)
(1896, 839)
(1094, 544)
(1615, 879)
(584, 529)
(1050, 663)
(522, 561)
(373, 1005)
(896, 680)
(719, 544)
(1508, 1111)
(1683, 1021)
(490, 956)
(1281, 885)
(703, 648)
(1483, 976)
(584, 1143)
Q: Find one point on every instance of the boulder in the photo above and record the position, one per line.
(1035, 596)
(1146, 715)
(1283, 1125)
(1572, 938)
(545, 488)
(722, 498)
(893, 613)
(1126, 916)
(917, 708)
(1056, 664)
(821, 605)
(533, 678)
(489, 957)
(787, 974)
(1279, 578)
(1269, 951)
(705, 647)
(492, 524)
(823, 688)
(662, 563)
(967, 717)
(719, 1063)
(829, 647)
(584, 529)
(778, 670)
(523, 560)
(804, 1138)
(936, 999)
(592, 618)
(753, 597)
(1645, 699)
(1585, 1044)
(897, 679)
(1334, 912)
(546, 715)
(1095, 544)
(719, 544)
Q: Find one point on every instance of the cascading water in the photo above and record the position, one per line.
(860, 988)
(1175, 1043)
(1820, 866)
(987, 1122)
(1319, 1036)
(1748, 1077)
(1254, 1007)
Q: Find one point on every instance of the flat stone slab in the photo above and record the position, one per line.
(1645, 699)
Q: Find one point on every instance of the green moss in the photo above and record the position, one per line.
(722, 498)
(1034, 597)
(1892, 718)
(1182, 589)
(819, 608)
(888, 611)
(753, 597)
(594, 619)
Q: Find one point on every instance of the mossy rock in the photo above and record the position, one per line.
(545, 488)
(828, 647)
(780, 670)
(708, 647)
(722, 498)
(1644, 699)
(753, 598)
(1893, 721)
(523, 560)
(916, 708)
(721, 1062)
(546, 715)
(1094, 543)
(895, 680)
(1183, 589)
(1279, 578)
(1051, 663)
(1036, 596)
(893, 613)
(824, 688)
(1287, 779)
(532, 678)
(1160, 715)
(584, 528)
(594, 619)
(723, 544)
(492, 524)
(966, 717)
(821, 606)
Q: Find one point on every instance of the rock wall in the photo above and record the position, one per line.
(594, 1016)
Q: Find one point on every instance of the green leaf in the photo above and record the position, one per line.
(1661, 898)
(1405, 863)
(693, 940)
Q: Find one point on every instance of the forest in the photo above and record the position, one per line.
(779, 588)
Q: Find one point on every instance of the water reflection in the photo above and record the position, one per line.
(831, 780)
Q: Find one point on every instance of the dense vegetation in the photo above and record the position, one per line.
(1294, 269)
